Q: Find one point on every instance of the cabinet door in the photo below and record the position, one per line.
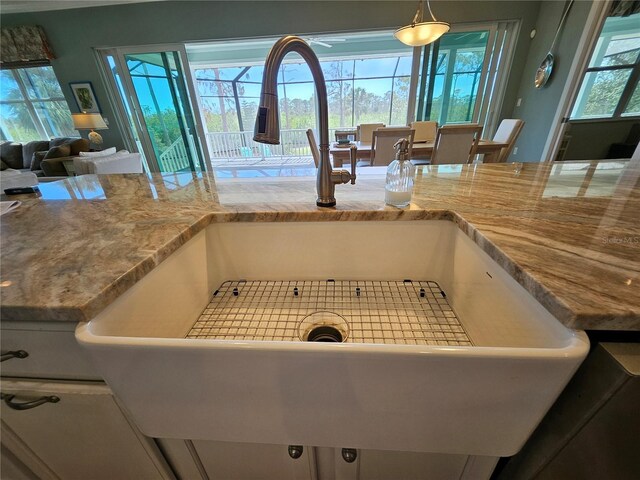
(83, 435)
(388, 465)
(248, 461)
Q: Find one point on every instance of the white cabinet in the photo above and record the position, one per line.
(389, 465)
(245, 461)
(82, 435)
(238, 461)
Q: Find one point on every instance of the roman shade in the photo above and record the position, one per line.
(24, 46)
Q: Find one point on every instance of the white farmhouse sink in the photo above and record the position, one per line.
(483, 399)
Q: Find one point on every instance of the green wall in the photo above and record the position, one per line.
(73, 33)
(538, 106)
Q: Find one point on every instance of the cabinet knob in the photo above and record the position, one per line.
(8, 399)
(295, 451)
(13, 354)
(349, 455)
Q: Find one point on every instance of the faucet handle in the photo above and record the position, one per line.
(353, 155)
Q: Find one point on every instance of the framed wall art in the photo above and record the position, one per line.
(85, 97)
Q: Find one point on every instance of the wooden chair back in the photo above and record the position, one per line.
(456, 144)
(382, 151)
(345, 134)
(425, 131)
(508, 132)
(364, 132)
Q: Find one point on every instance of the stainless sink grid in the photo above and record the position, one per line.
(405, 312)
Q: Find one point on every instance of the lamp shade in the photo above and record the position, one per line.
(422, 33)
(88, 121)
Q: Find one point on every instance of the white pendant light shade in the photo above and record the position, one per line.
(421, 33)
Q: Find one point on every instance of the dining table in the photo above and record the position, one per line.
(340, 153)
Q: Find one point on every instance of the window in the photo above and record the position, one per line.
(610, 85)
(455, 79)
(370, 78)
(367, 78)
(32, 106)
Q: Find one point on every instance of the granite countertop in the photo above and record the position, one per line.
(568, 232)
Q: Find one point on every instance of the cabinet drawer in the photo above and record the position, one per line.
(53, 352)
(75, 430)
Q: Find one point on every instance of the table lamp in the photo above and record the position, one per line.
(90, 121)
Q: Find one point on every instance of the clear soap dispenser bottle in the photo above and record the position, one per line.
(400, 173)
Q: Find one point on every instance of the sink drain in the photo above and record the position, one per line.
(324, 334)
(323, 327)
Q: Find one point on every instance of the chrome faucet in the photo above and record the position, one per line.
(267, 129)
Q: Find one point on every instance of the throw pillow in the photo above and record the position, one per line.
(28, 149)
(11, 154)
(79, 145)
(57, 141)
(58, 152)
(36, 159)
(3, 166)
(102, 153)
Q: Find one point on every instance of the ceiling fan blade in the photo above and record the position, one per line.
(323, 44)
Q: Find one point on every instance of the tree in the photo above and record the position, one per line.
(339, 91)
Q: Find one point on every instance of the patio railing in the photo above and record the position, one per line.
(174, 158)
(241, 145)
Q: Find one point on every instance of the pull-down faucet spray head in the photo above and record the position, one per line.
(267, 128)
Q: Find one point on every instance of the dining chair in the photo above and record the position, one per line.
(456, 144)
(345, 134)
(382, 151)
(508, 132)
(426, 131)
(364, 132)
(315, 151)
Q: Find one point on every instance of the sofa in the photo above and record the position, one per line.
(106, 162)
(45, 158)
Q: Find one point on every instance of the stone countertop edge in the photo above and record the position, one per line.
(85, 312)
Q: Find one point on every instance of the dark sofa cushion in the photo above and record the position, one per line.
(79, 145)
(59, 151)
(54, 167)
(28, 149)
(36, 159)
(11, 154)
(3, 166)
(57, 141)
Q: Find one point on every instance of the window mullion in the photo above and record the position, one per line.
(627, 93)
(30, 108)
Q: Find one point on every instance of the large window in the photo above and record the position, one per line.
(610, 85)
(32, 106)
(370, 76)
(359, 91)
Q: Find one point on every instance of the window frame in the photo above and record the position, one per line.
(625, 96)
(42, 129)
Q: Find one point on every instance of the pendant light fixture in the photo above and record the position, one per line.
(420, 33)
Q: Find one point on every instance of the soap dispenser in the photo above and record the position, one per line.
(400, 173)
